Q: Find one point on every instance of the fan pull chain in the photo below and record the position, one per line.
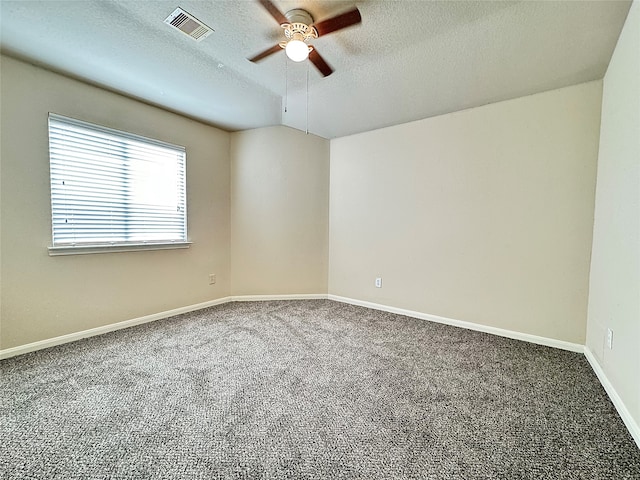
(286, 83)
(307, 129)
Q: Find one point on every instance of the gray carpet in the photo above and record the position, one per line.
(307, 390)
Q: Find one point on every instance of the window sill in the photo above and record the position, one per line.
(134, 247)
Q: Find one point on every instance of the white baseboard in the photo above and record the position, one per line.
(526, 337)
(264, 298)
(51, 342)
(630, 423)
(72, 337)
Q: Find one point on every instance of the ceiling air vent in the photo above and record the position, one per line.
(188, 24)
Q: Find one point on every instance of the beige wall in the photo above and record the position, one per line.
(43, 296)
(279, 214)
(614, 297)
(483, 215)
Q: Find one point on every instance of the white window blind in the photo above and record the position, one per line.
(111, 188)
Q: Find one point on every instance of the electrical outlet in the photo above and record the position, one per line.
(609, 338)
(379, 282)
(212, 278)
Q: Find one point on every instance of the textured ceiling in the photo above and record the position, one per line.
(407, 60)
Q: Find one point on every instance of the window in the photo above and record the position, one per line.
(112, 190)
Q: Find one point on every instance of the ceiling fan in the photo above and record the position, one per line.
(300, 29)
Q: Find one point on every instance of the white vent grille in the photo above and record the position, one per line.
(188, 24)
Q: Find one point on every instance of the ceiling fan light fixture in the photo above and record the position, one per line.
(297, 50)
(300, 29)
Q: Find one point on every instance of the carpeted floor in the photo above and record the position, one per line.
(309, 389)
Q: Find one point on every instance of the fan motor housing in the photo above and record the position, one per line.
(299, 27)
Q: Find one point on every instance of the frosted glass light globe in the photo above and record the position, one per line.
(297, 50)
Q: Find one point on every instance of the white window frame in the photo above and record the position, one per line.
(69, 247)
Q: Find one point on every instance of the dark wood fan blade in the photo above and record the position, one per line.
(320, 64)
(269, 51)
(273, 10)
(338, 22)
